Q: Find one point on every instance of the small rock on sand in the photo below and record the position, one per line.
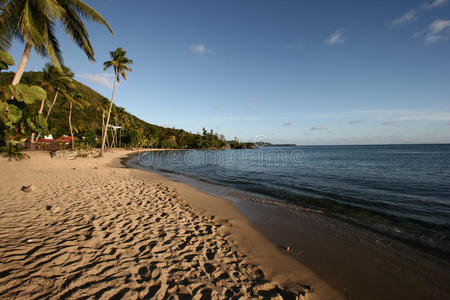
(29, 189)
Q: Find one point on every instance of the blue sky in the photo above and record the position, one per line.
(306, 71)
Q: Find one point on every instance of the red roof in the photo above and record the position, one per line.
(65, 139)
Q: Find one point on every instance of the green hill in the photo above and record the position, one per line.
(88, 121)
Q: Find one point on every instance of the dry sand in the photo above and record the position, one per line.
(95, 229)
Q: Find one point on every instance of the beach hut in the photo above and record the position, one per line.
(64, 140)
(46, 143)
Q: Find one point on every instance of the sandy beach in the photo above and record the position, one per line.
(93, 228)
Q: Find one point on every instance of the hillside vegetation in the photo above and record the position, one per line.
(87, 122)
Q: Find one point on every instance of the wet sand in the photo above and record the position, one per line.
(358, 263)
(94, 229)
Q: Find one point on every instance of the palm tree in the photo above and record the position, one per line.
(120, 63)
(33, 22)
(53, 82)
(75, 98)
(103, 107)
(120, 119)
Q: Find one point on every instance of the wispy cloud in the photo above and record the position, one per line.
(434, 4)
(200, 49)
(437, 116)
(442, 114)
(437, 31)
(354, 122)
(335, 38)
(287, 124)
(407, 18)
(409, 115)
(105, 79)
(389, 123)
(317, 127)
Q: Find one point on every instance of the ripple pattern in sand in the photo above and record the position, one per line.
(103, 234)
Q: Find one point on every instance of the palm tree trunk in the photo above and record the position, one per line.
(23, 64)
(103, 123)
(109, 114)
(48, 112)
(39, 112)
(107, 146)
(70, 125)
(51, 106)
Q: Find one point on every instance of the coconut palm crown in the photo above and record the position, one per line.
(33, 22)
(119, 62)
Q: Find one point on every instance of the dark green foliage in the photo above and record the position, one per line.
(6, 60)
(13, 151)
(135, 133)
(135, 138)
(90, 139)
(17, 121)
(235, 144)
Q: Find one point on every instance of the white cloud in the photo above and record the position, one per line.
(435, 3)
(389, 123)
(287, 124)
(354, 122)
(200, 49)
(105, 79)
(335, 38)
(437, 31)
(317, 127)
(408, 17)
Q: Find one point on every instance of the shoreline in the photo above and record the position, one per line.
(279, 266)
(93, 227)
(359, 263)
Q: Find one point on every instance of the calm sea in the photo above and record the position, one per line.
(402, 191)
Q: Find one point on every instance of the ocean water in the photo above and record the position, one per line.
(402, 191)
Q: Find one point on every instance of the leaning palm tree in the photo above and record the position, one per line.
(120, 63)
(33, 22)
(76, 100)
(53, 82)
(103, 108)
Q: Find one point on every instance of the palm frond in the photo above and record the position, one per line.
(74, 27)
(120, 63)
(51, 45)
(87, 12)
(32, 21)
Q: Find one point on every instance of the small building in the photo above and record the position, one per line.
(64, 140)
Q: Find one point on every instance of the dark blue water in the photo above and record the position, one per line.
(399, 190)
